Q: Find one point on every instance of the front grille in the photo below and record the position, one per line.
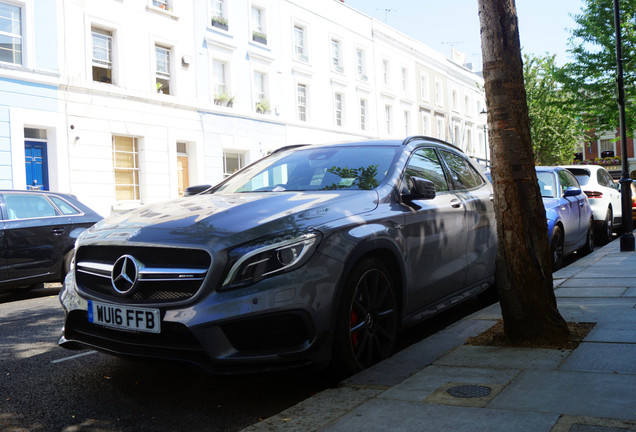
(161, 275)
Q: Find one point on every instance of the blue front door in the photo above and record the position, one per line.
(37, 173)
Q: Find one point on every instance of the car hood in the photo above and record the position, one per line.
(231, 218)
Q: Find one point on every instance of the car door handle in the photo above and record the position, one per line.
(57, 231)
(456, 203)
(492, 198)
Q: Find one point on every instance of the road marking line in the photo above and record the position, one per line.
(73, 357)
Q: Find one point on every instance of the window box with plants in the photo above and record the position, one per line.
(609, 162)
(259, 37)
(223, 99)
(262, 107)
(220, 22)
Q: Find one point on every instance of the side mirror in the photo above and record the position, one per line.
(194, 190)
(420, 189)
(572, 191)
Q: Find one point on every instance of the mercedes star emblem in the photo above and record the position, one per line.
(125, 274)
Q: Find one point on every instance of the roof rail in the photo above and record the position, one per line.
(408, 140)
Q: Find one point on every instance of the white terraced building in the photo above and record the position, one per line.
(126, 103)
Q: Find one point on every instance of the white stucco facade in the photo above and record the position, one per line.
(237, 79)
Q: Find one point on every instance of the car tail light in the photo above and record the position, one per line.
(591, 194)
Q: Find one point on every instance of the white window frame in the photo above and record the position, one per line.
(106, 63)
(470, 146)
(336, 55)
(361, 64)
(388, 118)
(457, 135)
(425, 88)
(440, 127)
(364, 104)
(338, 105)
(258, 20)
(258, 23)
(302, 93)
(240, 158)
(407, 122)
(439, 92)
(219, 84)
(611, 145)
(300, 42)
(261, 90)
(386, 72)
(455, 100)
(19, 37)
(405, 79)
(163, 72)
(218, 12)
(136, 188)
(218, 8)
(426, 123)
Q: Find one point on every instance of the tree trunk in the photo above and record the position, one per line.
(524, 264)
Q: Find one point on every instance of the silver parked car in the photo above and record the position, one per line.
(604, 196)
(313, 255)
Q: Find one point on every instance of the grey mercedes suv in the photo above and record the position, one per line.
(314, 255)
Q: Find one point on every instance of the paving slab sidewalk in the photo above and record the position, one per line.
(588, 389)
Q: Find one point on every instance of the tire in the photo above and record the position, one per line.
(66, 265)
(588, 247)
(556, 247)
(367, 320)
(605, 233)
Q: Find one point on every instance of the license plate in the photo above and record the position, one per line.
(124, 317)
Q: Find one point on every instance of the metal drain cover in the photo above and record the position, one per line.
(469, 391)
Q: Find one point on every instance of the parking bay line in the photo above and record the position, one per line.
(73, 356)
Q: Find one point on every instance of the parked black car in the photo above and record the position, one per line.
(38, 230)
(314, 254)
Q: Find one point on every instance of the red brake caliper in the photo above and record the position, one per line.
(354, 320)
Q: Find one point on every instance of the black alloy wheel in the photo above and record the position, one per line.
(608, 227)
(557, 248)
(367, 324)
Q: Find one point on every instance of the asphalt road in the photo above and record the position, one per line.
(47, 388)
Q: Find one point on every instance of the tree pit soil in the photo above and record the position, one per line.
(495, 336)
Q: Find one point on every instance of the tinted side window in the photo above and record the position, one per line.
(425, 164)
(607, 179)
(567, 180)
(28, 206)
(600, 178)
(462, 173)
(63, 206)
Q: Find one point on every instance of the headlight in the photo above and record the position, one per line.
(257, 261)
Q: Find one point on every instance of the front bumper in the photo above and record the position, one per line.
(278, 323)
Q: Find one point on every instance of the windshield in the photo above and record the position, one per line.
(547, 184)
(583, 176)
(312, 169)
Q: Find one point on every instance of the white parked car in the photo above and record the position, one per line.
(604, 196)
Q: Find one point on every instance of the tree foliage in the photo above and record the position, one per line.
(590, 78)
(554, 127)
